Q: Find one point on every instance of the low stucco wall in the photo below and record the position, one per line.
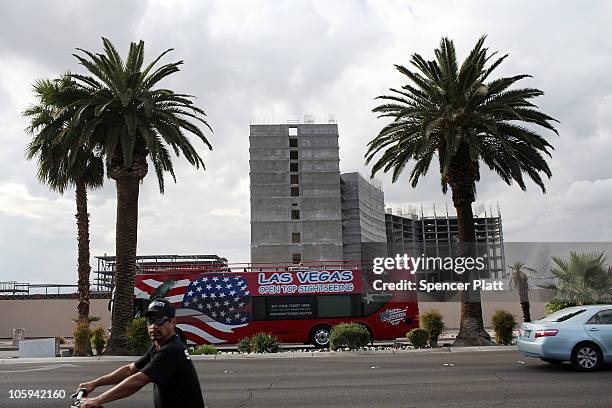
(491, 302)
(52, 317)
(47, 317)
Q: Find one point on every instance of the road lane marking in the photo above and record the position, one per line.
(39, 368)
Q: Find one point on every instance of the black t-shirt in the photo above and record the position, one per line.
(176, 380)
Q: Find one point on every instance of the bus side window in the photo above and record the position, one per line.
(373, 306)
(259, 307)
(330, 306)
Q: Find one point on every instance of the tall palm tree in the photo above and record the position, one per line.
(62, 166)
(133, 120)
(582, 279)
(520, 281)
(457, 114)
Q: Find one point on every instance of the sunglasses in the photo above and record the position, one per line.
(157, 321)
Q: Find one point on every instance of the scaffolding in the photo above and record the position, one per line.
(437, 236)
(104, 280)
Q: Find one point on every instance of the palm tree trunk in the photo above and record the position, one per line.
(471, 329)
(524, 299)
(526, 312)
(125, 267)
(82, 343)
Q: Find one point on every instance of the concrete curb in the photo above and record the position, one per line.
(224, 356)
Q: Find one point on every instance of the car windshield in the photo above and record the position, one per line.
(562, 315)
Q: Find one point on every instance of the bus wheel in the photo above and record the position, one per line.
(319, 336)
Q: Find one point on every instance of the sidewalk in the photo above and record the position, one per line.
(9, 353)
(263, 356)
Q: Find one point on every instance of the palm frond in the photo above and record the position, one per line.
(133, 115)
(447, 109)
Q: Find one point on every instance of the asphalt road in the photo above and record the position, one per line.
(440, 379)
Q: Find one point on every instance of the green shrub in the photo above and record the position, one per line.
(503, 323)
(259, 343)
(138, 336)
(244, 345)
(82, 335)
(90, 318)
(351, 335)
(98, 340)
(432, 322)
(60, 340)
(418, 337)
(205, 349)
(264, 343)
(556, 305)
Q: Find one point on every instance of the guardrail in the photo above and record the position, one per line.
(26, 289)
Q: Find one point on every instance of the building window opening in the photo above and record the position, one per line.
(293, 154)
(293, 131)
(295, 191)
(295, 214)
(293, 142)
(295, 179)
(293, 167)
(296, 238)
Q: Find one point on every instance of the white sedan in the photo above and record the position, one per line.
(580, 334)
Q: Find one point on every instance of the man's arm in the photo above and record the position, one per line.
(125, 388)
(113, 378)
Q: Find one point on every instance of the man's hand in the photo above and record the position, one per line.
(89, 403)
(89, 386)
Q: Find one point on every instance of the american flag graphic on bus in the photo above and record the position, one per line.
(210, 307)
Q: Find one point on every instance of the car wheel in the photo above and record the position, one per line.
(553, 362)
(319, 336)
(586, 357)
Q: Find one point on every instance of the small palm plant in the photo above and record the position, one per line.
(519, 280)
(581, 279)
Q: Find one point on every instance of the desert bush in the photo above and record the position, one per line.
(432, 322)
(138, 336)
(244, 345)
(351, 335)
(205, 349)
(259, 343)
(503, 324)
(264, 343)
(418, 337)
(82, 335)
(98, 340)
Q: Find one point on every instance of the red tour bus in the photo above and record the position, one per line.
(297, 304)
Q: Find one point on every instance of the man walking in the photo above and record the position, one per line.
(166, 364)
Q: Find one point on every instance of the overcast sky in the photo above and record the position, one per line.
(270, 61)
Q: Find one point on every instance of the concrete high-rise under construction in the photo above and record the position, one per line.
(303, 209)
(363, 218)
(436, 236)
(295, 192)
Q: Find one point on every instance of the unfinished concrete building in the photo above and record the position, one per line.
(435, 236)
(295, 193)
(363, 218)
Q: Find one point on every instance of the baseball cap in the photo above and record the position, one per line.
(160, 307)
